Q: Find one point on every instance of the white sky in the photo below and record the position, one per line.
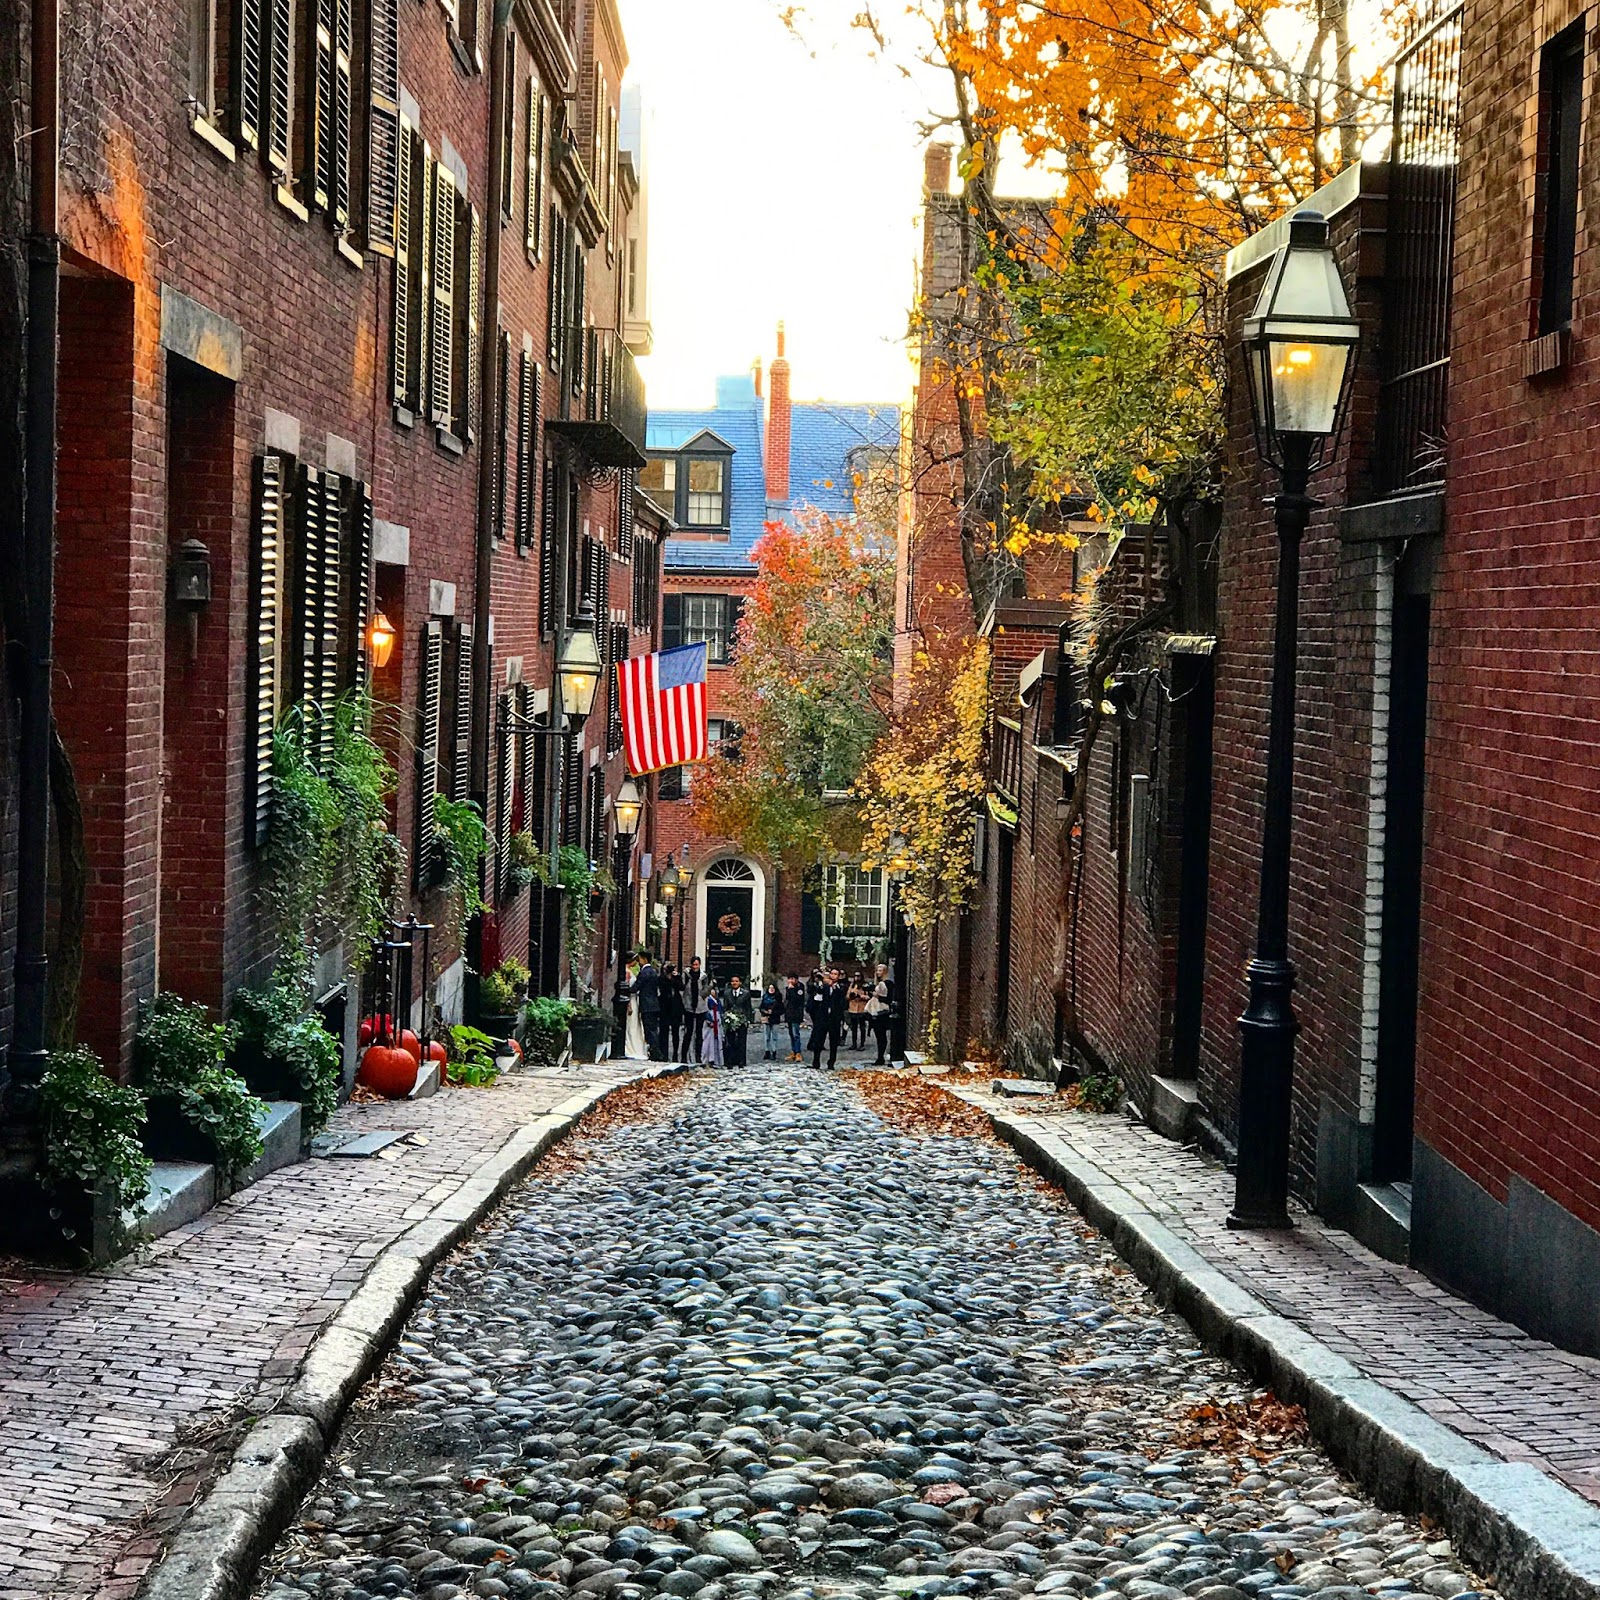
(782, 187)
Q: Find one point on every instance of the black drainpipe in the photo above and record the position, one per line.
(27, 1058)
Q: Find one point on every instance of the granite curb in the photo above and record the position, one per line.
(215, 1551)
(1535, 1537)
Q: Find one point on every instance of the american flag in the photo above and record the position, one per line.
(664, 708)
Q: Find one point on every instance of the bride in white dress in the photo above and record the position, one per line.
(634, 1044)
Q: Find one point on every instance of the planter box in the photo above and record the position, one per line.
(591, 1038)
(168, 1135)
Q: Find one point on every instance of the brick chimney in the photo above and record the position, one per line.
(936, 168)
(778, 426)
(758, 377)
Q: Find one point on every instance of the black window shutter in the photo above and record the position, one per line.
(441, 355)
(527, 775)
(671, 621)
(595, 814)
(473, 342)
(279, 86)
(669, 784)
(619, 653)
(736, 605)
(384, 164)
(308, 587)
(320, 143)
(502, 439)
(404, 290)
(461, 767)
(572, 799)
(810, 921)
(331, 558)
(508, 133)
(267, 616)
(533, 198)
(625, 514)
(358, 576)
(547, 549)
(525, 482)
(505, 749)
(427, 853)
(250, 61)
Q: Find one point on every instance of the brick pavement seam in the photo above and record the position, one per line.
(1539, 1539)
(214, 1552)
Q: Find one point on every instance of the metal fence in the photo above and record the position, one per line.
(1415, 364)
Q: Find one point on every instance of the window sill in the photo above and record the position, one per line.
(448, 442)
(405, 417)
(1547, 354)
(350, 255)
(285, 198)
(209, 134)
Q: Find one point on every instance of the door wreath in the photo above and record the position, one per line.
(729, 924)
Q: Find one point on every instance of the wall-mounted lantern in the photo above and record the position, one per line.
(380, 641)
(190, 579)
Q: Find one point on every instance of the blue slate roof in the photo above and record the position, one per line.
(820, 473)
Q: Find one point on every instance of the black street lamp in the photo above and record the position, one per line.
(685, 880)
(1299, 352)
(899, 866)
(628, 809)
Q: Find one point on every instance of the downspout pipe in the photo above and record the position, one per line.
(28, 1056)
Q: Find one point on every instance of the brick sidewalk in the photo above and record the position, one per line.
(116, 1388)
(1516, 1396)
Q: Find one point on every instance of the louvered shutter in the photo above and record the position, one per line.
(461, 766)
(672, 622)
(533, 200)
(344, 49)
(525, 482)
(474, 352)
(358, 572)
(508, 132)
(279, 87)
(572, 798)
(427, 852)
(502, 440)
(557, 287)
(422, 200)
(619, 653)
(268, 578)
(441, 359)
(331, 559)
(595, 813)
(319, 127)
(736, 606)
(505, 749)
(385, 166)
(308, 589)
(527, 765)
(547, 549)
(250, 63)
(625, 514)
(404, 291)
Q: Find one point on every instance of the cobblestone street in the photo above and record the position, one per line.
(765, 1344)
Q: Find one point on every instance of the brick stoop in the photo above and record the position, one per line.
(1427, 1401)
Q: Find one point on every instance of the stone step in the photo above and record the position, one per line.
(1174, 1105)
(427, 1081)
(280, 1141)
(178, 1193)
(1383, 1222)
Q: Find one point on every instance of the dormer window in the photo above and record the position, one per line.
(707, 501)
(659, 480)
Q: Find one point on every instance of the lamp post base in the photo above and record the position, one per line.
(1266, 1078)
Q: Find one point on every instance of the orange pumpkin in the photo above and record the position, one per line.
(437, 1052)
(412, 1046)
(375, 1027)
(388, 1070)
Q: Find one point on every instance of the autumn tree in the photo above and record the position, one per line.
(809, 690)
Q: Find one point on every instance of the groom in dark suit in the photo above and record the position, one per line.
(647, 987)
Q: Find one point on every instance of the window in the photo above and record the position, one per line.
(1560, 129)
(676, 783)
(208, 60)
(646, 581)
(706, 505)
(705, 620)
(659, 480)
(854, 902)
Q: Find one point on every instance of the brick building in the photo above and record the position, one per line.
(344, 302)
(723, 474)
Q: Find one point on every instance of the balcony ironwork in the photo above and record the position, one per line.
(605, 414)
(1415, 364)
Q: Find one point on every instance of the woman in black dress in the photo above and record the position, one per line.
(671, 1009)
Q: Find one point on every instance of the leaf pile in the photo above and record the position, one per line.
(920, 1108)
(633, 1102)
(1261, 1427)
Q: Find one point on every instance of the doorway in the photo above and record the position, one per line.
(1194, 680)
(731, 910)
(1402, 892)
(1002, 953)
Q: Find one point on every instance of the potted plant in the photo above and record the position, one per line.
(500, 998)
(544, 1030)
(283, 1052)
(199, 1110)
(591, 1031)
(95, 1174)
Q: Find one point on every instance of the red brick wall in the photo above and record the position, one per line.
(1510, 1011)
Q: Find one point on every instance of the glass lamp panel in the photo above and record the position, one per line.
(1307, 378)
(1307, 285)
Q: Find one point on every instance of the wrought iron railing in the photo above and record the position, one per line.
(607, 395)
(1415, 355)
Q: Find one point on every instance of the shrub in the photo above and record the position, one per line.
(179, 1055)
(292, 1044)
(91, 1129)
(471, 1062)
(544, 1030)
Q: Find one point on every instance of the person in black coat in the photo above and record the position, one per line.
(647, 986)
(794, 1013)
(696, 988)
(671, 1010)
